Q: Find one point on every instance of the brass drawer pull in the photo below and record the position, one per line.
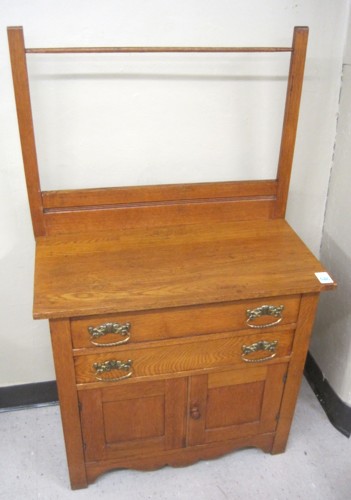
(262, 345)
(109, 328)
(113, 364)
(275, 311)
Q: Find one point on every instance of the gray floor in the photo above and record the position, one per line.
(316, 465)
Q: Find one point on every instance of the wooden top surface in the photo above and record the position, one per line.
(138, 269)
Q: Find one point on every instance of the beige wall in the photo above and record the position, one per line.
(331, 344)
(25, 354)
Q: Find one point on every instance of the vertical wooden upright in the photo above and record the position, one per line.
(291, 115)
(26, 129)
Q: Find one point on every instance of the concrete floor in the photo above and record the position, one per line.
(316, 465)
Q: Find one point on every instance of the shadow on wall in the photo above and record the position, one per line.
(331, 342)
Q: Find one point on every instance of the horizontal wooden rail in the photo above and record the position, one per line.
(92, 50)
(110, 209)
(115, 218)
(158, 194)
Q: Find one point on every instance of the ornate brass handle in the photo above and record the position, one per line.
(113, 364)
(262, 345)
(275, 311)
(109, 328)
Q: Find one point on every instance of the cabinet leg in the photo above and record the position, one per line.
(302, 337)
(65, 376)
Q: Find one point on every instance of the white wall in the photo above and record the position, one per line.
(25, 354)
(331, 343)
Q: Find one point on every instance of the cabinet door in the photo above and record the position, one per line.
(133, 417)
(235, 403)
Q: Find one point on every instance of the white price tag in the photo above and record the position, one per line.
(324, 277)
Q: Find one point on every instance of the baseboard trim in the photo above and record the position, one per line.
(19, 396)
(338, 412)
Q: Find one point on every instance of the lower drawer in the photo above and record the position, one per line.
(192, 353)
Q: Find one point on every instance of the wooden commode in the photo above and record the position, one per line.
(180, 315)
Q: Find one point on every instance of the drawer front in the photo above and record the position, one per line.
(118, 329)
(170, 357)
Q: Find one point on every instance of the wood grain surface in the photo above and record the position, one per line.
(172, 357)
(148, 268)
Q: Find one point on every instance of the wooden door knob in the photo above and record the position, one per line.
(195, 413)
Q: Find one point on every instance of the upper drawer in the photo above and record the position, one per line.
(143, 326)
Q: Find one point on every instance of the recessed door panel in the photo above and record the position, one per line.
(234, 403)
(133, 418)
